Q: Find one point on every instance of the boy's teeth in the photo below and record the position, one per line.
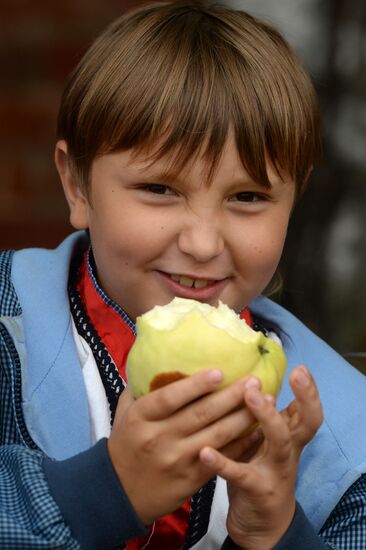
(200, 283)
(187, 281)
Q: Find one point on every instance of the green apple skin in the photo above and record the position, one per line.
(195, 344)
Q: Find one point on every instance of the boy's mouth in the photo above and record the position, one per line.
(192, 287)
(192, 283)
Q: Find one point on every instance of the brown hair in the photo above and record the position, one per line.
(181, 75)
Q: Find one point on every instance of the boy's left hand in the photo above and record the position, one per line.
(262, 491)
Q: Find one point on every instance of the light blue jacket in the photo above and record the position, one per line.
(55, 403)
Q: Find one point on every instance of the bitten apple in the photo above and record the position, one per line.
(185, 336)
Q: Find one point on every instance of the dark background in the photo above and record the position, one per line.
(324, 265)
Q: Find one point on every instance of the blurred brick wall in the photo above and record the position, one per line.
(40, 43)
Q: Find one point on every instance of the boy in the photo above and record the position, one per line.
(186, 135)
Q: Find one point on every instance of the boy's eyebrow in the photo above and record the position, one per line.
(164, 177)
(169, 177)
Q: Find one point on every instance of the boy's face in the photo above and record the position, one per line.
(154, 239)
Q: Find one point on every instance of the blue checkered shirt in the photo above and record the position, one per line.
(30, 518)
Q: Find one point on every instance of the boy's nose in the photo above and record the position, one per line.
(202, 241)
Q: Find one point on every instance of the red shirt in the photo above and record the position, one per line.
(116, 332)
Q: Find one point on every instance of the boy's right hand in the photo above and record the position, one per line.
(156, 439)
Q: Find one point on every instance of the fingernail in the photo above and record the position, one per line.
(208, 456)
(215, 376)
(301, 378)
(252, 383)
(255, 399)
(270, 399)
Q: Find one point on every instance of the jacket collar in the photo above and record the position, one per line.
(58, 421)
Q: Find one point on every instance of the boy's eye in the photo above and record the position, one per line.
(247, 196)
(158, 189)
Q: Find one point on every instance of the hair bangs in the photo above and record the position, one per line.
(188, 107)
(172, 80)
(180, 111)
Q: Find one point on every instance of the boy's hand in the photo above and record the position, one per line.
(156, 439)
(262, 492)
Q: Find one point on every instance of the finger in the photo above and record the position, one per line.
(234, 425)
(237, 473)
(216, 406)
(270, 399)
(164, 401)
(125, 400)
(305, 412)
(275, 429)
(245, 448)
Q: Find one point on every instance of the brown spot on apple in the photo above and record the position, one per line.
(165, 378)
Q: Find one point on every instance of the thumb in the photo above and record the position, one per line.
(238, 474)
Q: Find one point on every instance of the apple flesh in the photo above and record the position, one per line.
(185, 336)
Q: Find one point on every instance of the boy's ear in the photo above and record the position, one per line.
(77, 201)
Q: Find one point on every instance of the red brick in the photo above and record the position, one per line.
(40, 43)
